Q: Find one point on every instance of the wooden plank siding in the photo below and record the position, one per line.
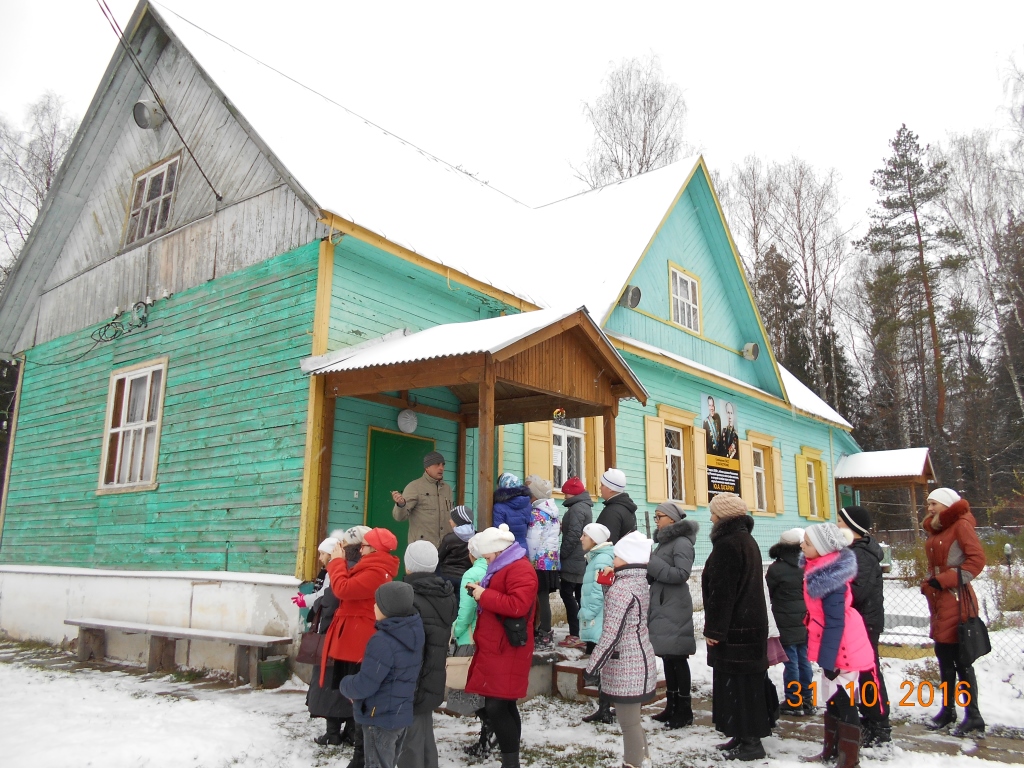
(259, 217)
(232, 442)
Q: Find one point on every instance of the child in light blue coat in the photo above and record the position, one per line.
(598, 551)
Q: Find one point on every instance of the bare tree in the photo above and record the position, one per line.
(29, 161)
(638, 123)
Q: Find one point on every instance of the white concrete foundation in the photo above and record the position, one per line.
(35, 600)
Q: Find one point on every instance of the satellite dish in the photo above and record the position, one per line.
(148, 114)
(751, 351)
(630, 297)
(408, 421)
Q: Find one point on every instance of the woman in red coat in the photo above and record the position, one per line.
(952, 545)
(500, 671)
(354, 621)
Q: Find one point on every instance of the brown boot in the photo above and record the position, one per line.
(849, 746)
(831, 742)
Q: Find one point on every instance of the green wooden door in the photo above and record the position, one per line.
(394, 461)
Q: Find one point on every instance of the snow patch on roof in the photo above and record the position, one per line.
(804, 399)
(902, 462)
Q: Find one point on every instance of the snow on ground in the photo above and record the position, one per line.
(60, 714)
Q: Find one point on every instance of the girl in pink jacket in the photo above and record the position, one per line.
(836, 639)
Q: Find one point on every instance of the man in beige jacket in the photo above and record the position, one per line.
(426, 502)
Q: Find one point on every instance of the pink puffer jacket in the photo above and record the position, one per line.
(825, 578)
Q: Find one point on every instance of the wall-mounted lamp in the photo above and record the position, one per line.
(148, 114)
(751, 351)
(630, 297)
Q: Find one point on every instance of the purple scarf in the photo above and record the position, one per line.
(512, 553)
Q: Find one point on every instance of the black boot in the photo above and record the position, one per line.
(725, 746)
(682, 714)
(973, 723)
(348, 733)
(942, 720)
(670, 705)
(849, 746)
(333, 735)
(509, 760)
(603, 714)
(486, 741)
(749, 748)
(874, 733)
(358, 759)
(830, 744)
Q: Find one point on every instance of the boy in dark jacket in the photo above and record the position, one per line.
(869, 602)
(579, 513)
(383, 690)
(785, 579)
(619, 512)
(453, 554)
(435, 601)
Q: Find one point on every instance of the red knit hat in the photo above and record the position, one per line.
(381, 539)
(573, 487)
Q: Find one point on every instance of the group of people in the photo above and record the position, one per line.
(627, 599)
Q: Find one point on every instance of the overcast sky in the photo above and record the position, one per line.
(498, 87)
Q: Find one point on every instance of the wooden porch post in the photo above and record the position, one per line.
(913, 511)
(609, 435)
(326, 458)
(485, 447)
(460, 466)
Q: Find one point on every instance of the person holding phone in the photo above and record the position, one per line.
(500, 671)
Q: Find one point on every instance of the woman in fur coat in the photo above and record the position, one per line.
(836, 638)
(670, 620)
(952, 545)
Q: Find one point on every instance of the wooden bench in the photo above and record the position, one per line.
(568, 682)
(249, 651)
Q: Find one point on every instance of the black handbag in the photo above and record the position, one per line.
(972, 634)
(515, 631)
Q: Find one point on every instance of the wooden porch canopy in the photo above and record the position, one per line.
(503, 370)
(909, 468)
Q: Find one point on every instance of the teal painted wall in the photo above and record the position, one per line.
(693, 238)
(374, 293)
(232, 444)
(675, 388)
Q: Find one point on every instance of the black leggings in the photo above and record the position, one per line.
(677, 674)
(503, 717)
(571, 595)
(841, 709)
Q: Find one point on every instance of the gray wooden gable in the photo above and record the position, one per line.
(74, 269)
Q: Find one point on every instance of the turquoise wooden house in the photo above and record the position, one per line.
(224, 310)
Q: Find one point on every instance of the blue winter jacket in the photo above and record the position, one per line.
(512, 506)
(383, 690)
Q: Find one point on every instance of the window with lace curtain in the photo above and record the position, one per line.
(568, 457)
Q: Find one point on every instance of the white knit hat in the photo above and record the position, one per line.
(792, 536)
(634, 548)
(614, 479)
(327, 545)
(828, 537)
(420, 557)
(492, 540)
(946, 496)
(353, 535)
(599, 533)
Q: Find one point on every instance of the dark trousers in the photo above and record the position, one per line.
(571, 594)
(677, 674)
(879, 712)
(503, 717)
(842, 709)
(950, 669)
(543, 611)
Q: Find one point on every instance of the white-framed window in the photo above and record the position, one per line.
(567, 455)
(812, 487)
(131, 438)
(685, 300)
(151, 200)
(675, 463)
(760, 481)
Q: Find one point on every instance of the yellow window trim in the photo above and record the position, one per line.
(810, 453)
(676, 416)
(760, 437)
(700, 299)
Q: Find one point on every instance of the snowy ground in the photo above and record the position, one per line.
(55, 712)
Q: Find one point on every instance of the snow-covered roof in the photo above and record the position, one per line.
(803, 398)
(565, 253)
(903, 462)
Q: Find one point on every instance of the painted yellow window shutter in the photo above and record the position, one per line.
(654, 445)
(777, 481)
(803, 499)
(538, 451)
(595, 453)
(700, 466)
(747, 474)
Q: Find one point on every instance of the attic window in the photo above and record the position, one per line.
(685, 300)
(152, 196)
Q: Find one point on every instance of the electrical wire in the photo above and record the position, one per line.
(109, 15)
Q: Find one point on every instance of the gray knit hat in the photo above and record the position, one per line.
(671, 509)
(432, 458)
(827, 537)
(421, 557)
(394, 598)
